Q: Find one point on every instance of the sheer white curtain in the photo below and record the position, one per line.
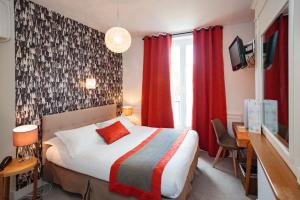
(181, 80)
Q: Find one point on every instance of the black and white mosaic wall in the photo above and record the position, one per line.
(54, 56)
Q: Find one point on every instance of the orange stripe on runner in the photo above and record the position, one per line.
(155, 194)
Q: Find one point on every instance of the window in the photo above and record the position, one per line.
(182, 80)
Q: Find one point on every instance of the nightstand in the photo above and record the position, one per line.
(15, 168)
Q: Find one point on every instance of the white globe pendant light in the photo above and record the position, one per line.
(117, 39)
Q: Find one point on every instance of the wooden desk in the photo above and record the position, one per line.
(242, 138)
(243, 141)
(282, 181)
(15, 168)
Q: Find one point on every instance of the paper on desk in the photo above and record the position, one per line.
(241, 129)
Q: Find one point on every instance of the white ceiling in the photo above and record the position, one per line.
(142, 17)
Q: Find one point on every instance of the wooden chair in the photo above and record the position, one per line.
(225, 141)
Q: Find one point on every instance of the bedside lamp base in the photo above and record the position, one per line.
(25, 153)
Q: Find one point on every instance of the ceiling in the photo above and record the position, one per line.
(142, 17)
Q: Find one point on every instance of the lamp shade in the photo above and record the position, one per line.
(25, 135)
(117, 39)
(90, 83)
(127, 110)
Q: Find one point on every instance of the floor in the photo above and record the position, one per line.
(216, 183)
(209, 183)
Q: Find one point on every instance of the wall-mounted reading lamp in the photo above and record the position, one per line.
(90, 83)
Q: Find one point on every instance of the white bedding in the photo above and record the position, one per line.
(97, 159)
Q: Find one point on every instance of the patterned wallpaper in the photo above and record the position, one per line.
(54, 56)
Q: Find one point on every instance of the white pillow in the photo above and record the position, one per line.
(57, 146)
(57, 143)
(124, 120)
(79, 139)
(54, 141)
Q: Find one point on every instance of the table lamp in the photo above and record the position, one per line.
(127, 110)
(23, 137)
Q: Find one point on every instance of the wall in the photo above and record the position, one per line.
(296, 61)
(264, 190)
(7, 90)
(265, 12)
(54, 57)
(133, 76)
(239, 84)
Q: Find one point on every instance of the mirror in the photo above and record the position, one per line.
(276, 79)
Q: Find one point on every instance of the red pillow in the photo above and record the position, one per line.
(113, 132)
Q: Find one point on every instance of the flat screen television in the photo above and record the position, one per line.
(237, 54)
(269, 50)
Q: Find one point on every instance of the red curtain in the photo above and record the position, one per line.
(209, 100)
(276, 77)
(156, 91)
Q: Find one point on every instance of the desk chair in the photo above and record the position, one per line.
(225, 141)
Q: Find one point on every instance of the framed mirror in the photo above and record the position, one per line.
(276, 77)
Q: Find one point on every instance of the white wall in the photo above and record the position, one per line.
(264, 190)
(296, 61)
(133, 76)
(239, 84)
(265, 13)
(7, 91)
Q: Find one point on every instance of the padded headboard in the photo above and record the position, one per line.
(74, 119)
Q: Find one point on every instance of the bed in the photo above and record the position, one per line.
(88, 173)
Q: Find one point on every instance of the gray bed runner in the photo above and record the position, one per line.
(136, 168)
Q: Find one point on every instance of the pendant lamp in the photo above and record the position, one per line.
(117, 39)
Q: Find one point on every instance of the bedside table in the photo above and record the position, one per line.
(14, 168)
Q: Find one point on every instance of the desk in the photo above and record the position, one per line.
(242, 137)
(243, 141)
(282, 180)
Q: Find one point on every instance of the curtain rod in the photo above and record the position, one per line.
(183, 33)
(172, 34)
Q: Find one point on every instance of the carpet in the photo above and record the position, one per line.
(209, 183)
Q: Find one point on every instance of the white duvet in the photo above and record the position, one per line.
(97, 159)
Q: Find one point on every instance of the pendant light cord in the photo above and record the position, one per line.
(118, 14)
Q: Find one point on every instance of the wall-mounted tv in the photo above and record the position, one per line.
(269, 50)
(237, 54)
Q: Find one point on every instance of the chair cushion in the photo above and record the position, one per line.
(228, 142)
